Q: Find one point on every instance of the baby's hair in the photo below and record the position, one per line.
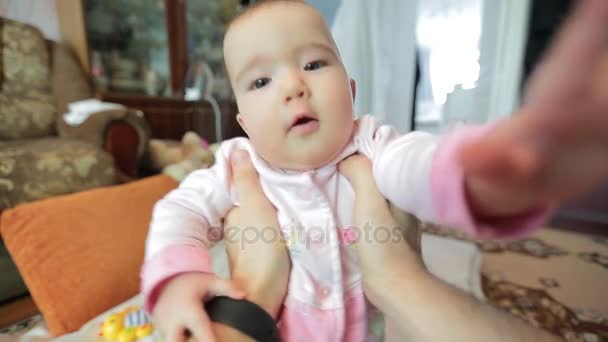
(250, 7)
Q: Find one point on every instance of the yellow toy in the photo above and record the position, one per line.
(129, 325)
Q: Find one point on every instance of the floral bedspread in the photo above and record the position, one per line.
(554, 279)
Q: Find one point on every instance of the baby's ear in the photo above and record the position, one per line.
(353, 88)
(241, 121)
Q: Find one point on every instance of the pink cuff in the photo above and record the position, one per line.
(449, 194)
(168, 263)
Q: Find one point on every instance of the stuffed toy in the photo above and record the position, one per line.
(178, 158)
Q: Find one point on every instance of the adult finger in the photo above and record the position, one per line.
(574, 56)
(354, 167)
(584, 36)
(245, 179)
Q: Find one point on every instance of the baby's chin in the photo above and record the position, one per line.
(305, 160)
(313, 152)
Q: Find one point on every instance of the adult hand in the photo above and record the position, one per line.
(257, 254)
(383, 263)
(412, 299)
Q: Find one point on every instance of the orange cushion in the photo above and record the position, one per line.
(80, 254)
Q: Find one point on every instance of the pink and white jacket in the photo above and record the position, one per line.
(420, 173)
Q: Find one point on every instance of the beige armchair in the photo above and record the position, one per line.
(41, 156)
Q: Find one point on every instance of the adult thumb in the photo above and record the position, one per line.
(245, 177)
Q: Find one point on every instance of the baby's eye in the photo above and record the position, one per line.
(260, 82)
(315, 65)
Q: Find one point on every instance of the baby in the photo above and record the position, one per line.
(296, 105)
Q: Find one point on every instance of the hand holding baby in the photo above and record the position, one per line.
(259, 267)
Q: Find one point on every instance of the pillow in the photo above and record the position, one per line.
(81, 254)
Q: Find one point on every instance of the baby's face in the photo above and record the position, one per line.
(293, 93)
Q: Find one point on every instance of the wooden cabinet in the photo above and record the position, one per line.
(152, 55)
(170, 118)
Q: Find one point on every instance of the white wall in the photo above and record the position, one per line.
(40, 13)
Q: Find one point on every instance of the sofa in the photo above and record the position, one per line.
(40, 155)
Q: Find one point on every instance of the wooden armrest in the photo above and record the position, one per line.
(122, 141)
(124, 133)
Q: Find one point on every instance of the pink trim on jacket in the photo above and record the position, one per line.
(167, 264)
(449, 196)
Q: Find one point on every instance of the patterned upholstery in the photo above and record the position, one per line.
(27, 108)
(37, 159)
(48, 167)
(15, 125)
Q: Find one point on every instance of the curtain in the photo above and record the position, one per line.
(472, 58)
(376, 40)
(469, 54)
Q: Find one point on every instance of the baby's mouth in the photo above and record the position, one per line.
(304, 123)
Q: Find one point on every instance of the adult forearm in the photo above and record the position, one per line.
(427, 309)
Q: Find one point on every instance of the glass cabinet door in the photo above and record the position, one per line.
(128, 45)
(206, 24)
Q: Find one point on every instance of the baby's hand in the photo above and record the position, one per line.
(179, 311)
(556, 147)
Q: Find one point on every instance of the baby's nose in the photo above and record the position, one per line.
(299, 93)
